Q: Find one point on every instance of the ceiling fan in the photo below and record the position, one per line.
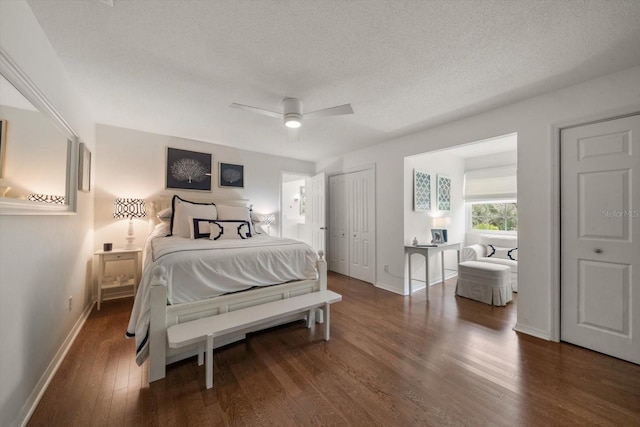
(292, 114)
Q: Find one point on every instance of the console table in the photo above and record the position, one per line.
(426, 250)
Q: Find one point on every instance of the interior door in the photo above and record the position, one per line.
(316, 211)
(338, 257)
(600, 237)
(361, 193)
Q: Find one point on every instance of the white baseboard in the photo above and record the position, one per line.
(416, 287)
(37, 393)
(538, 333)
(389, 288)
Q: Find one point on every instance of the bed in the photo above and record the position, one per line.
(206, 258)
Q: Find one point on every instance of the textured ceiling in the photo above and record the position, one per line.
(173, 67)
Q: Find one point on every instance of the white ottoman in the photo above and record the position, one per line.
(485, 282)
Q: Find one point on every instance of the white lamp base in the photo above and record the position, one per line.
(130, 237)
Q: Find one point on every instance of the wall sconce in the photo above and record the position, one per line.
(45, 198)
(129, 208)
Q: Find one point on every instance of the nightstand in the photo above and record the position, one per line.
(117, 255)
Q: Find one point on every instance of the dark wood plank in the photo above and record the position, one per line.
(392, 360)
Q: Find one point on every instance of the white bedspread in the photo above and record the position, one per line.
(203, 268)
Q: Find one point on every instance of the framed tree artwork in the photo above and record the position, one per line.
(188, 170)
(231, 175)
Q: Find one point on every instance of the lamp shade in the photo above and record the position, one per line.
(129, 208)
(440, 222)
(268, 219)
(46, 198)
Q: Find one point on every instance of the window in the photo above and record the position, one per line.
(497, 216)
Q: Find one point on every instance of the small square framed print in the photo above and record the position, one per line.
(231, 175)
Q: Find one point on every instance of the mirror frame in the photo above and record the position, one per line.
(29, 90)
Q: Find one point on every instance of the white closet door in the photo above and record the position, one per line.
(361, 193)
(338, 257)
(600, 237)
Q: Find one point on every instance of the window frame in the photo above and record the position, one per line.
(469, 220)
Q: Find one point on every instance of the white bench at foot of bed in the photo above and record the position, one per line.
(205, 330)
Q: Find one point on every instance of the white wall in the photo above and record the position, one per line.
(132, 164)
(43, 259)
(534, 120)
(419, 224)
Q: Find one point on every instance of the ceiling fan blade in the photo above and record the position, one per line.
(333, 111)
(294, 135)
(257, 110)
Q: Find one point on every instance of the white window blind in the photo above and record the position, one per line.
(490, 184)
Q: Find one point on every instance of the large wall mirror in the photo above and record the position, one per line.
(38, 149)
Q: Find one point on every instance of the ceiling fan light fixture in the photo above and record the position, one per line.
(293, 120)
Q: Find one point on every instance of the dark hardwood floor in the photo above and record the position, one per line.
(391, 361)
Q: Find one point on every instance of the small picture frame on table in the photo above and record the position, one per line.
(437, 235)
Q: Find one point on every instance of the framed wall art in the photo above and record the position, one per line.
(84, 168)
(421, 191)
(188, 170)
(444, 193)
(231, 175)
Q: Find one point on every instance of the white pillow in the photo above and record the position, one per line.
(239, 213)
(199, 228)
(225, 229)
(502, 253)
(183, 209)
(164, 215)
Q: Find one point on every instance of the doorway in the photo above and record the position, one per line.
(293, 204)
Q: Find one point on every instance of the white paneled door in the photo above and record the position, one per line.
(316, 211)
(600, 237)
(361, 228)
(352, 224)
(338, 257)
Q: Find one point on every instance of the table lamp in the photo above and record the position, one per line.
(129, 208)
